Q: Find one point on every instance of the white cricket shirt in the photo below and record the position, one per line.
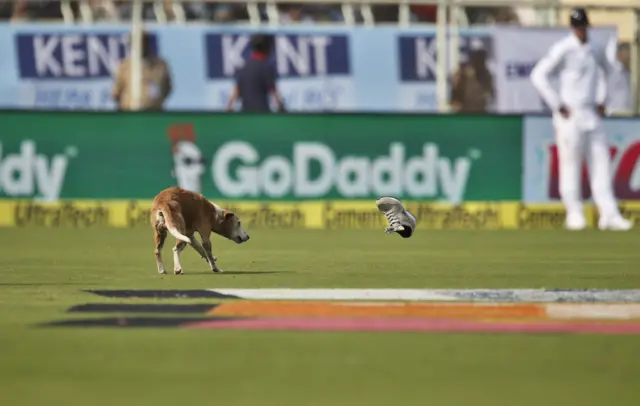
(580, 73)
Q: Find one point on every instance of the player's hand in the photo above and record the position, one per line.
(602, 110)
(564, 112)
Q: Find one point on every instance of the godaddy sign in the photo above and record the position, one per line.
(27, 173)
(260, 157)
(316, 170)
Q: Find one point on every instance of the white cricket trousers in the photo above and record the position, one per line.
(582, 135)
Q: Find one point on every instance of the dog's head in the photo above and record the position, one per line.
(230, 226)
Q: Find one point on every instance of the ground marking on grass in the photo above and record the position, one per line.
(161, 294)
(457, 310)
(466, 295)
(590, 311)
(436, 295)
(141, 308)
(417, 325)
(380, 310)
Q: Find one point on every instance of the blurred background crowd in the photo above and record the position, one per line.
(221, 12)
(472, 80)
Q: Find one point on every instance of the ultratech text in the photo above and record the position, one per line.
(63, 215)
(430, 216)
(138, 215)
(266, 216)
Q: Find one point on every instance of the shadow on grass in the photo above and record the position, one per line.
(234, 273)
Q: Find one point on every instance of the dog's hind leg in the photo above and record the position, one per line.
(160, 235)
(177, 267)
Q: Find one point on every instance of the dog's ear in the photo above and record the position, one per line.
(227, 215)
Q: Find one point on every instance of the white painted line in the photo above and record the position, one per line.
(616, 311)
(441, 295)
(336, 294)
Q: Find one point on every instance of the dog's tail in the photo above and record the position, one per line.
(174, 232)
(168, 218)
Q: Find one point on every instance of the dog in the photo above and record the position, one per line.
(181, 213)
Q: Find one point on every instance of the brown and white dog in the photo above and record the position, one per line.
(182, 213)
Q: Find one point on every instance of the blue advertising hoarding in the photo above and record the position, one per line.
(364, 69)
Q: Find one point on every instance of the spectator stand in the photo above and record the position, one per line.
(447, 15)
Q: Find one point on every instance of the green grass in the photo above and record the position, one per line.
(44, 270)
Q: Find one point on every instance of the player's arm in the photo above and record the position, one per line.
(270, 83)
(491, 92)
(233, 98)
(278, 99)
(235, 93)
(601, 91)
(607, 65)
(119, 82)
(457, 91)
(542, 73)
(611, 62)
(165, 86)
(167, 83)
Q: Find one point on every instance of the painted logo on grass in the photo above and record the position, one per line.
(332, 314)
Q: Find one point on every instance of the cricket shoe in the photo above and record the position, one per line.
(400, 220)
(617, 223)
(575, 222)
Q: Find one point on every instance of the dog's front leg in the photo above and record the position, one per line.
(199, 248)
(206, 242)
(203, 252)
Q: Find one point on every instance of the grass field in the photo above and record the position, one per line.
(43, 272)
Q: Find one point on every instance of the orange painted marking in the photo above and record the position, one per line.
(379, 310)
